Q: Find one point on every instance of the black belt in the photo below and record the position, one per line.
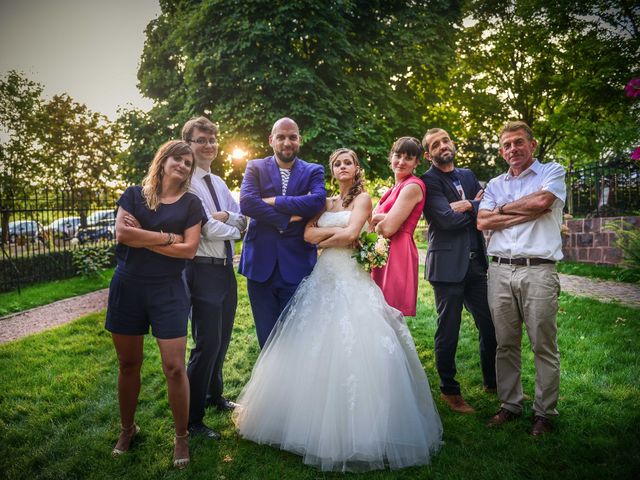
(529, 262)
(211, 260)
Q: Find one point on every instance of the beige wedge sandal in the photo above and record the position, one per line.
(125, 440)
(181, 462)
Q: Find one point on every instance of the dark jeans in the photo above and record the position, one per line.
(214, 298)
(450, 298)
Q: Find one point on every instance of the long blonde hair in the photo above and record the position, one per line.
(358, 183)
(152, 182)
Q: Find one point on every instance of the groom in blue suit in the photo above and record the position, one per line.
(280, 193)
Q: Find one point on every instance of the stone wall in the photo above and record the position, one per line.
(589, 241)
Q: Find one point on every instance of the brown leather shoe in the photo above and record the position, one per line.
(541, 425)
(457, 403)
(503, 416)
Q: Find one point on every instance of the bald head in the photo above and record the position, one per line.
(284, 122)
(285, 141)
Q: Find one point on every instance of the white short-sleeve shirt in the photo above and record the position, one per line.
(537, 238)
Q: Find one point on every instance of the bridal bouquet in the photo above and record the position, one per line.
(372, 251)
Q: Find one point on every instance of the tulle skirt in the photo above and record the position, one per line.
(339, 381)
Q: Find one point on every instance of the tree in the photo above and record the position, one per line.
(20, 102)
(57, 143)
(351, 73)
(559, 66)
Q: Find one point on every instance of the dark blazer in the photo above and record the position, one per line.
(448, 249)
(270, 238)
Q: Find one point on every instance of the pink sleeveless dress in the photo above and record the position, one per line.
(398, 279)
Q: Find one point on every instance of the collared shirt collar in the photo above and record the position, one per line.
(534, 167)
(200, 173)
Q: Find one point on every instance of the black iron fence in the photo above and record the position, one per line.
(604, 190)
(40, 228)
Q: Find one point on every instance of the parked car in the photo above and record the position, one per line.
(95, 233)
(30, 230)
(64, 228)
(101, 225)
(102, 217)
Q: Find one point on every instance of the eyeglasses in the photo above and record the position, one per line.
(204, 141)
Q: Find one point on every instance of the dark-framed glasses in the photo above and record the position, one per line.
(204, 141)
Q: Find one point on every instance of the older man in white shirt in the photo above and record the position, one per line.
(523, 208)
(211, 278)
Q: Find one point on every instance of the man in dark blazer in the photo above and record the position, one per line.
(280, 193)
(456, 264)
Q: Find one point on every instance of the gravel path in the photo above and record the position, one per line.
(603, 290)
(18, 325)
(35, 320)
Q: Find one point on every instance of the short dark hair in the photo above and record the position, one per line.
(408, 145)
(201, 123)
(431, 131)
(514, 126)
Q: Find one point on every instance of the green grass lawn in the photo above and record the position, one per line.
(603, 272)
(59, 416)
(45, 293)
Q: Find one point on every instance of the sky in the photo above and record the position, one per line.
(89, 49)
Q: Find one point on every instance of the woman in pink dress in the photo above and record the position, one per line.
(395, 218)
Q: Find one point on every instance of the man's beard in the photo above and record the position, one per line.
(442, 160)
(286, 159)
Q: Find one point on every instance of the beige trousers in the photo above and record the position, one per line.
(520, 294)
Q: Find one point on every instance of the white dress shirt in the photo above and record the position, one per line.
(215, 232)
(537, 238)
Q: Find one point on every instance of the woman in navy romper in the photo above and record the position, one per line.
(157, 228)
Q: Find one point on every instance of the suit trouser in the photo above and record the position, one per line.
(526, 294)
(450, 298)
(214, 298)
(268, 300)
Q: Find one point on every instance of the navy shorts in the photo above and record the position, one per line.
(136, 303)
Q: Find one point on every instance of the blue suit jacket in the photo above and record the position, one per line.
(270, 237)
(448, 249)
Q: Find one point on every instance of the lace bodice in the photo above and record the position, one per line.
(334, 219)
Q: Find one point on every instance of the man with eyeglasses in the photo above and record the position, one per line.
(211, 278)
(523, 208)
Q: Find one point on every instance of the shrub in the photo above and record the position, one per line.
(90, 260)
(26, 270)
(628, 240)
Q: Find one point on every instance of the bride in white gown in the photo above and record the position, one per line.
(339, 380)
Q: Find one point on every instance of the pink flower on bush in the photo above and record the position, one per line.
(635, 155)
(632, 88)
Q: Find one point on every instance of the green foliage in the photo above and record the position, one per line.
(19, 103)
(60, 408)
(604, 272)
(559, 66)
(356, 74)
(57, 143)
(628, 240)
(90, 260)
(36, 268)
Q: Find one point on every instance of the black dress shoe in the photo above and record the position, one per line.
(201, 430)
(225, 405)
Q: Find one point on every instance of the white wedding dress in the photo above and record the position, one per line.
(339, 380)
